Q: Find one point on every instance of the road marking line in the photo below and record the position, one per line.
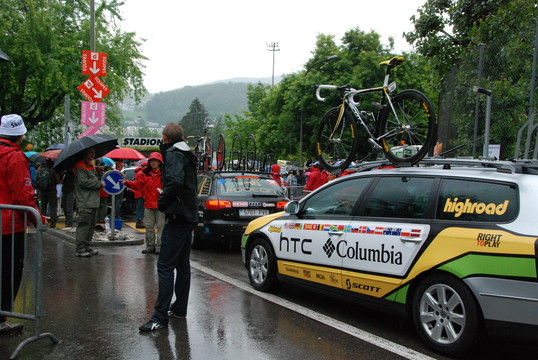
(339, 325)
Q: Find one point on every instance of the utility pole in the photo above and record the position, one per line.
(92, 25)
(273, 47)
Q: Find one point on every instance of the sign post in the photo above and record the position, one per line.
(113, 186)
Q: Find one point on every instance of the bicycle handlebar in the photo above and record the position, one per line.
(328, 87)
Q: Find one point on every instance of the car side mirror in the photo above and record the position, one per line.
(292, 207)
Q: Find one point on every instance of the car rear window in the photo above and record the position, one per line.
(248, 185)
(471, 200)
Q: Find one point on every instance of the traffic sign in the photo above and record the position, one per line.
(93, 89)
(94, 63)
(113, 182)
(92, 113)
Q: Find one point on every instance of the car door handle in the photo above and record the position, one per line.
(339, 233)
(407, 239)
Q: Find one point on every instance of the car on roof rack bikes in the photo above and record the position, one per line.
(450, 244)
(229, 200)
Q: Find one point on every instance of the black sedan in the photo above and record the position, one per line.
(228, 201)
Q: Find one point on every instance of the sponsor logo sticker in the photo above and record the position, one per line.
(468, 207)
(240, 204)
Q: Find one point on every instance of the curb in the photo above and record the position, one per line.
(60, 234)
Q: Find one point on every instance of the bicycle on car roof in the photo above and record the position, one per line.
(401, 125)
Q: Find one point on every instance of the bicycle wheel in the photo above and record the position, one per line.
(410, 130)
(236, 153)
(221, 153)
(336, 139)
(250, 153)
(208, 154)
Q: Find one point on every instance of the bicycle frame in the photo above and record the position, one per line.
(348, 101)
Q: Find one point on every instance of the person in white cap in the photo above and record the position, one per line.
(15, 189)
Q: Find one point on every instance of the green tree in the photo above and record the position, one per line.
(147, 132)
(276, 114)
(443, 29)
(195, 120)
(45, 39)
(450, 33)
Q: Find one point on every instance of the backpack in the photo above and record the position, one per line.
(44, 178)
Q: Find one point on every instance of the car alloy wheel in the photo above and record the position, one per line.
(261, 266)
(446, 314)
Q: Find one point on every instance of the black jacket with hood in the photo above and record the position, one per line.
(178, 198)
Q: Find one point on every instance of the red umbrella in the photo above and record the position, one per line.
(50, 154)
(125, 154)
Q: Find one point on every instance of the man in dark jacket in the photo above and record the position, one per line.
(178, 202)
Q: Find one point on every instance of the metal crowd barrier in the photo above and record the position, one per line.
(294, 192)
(26, 304)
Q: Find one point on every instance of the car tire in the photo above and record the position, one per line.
(261, 265)
(446, 315)
(197, 239)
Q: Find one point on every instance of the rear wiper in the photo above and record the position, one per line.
(264, 196)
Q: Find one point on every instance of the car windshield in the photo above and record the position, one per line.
(249, 185)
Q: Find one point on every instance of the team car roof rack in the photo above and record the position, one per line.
(503, 166)
(528, 166)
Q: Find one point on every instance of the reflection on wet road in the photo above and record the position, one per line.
(94, 307)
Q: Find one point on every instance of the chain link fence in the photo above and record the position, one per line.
(487, 102)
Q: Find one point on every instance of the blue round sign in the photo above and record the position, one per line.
(113, 182)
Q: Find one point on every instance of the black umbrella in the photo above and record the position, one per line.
(36, 158)
(56, 147)
(3, 56)
(72, 153)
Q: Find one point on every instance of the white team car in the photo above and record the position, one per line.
(451, 246)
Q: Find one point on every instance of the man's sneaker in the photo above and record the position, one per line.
(140, 224)
(92, 251)
(149, 250)
(152, 326)
(9, 328)
(171, 314)
(83, 254)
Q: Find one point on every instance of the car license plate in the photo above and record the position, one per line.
(253, 212)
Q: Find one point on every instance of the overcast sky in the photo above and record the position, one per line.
(196, 42)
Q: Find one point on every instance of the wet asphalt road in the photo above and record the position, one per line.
(94, 307)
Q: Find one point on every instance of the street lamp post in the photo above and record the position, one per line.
(273, 47)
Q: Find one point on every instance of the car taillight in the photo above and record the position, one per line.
(217, 204)
(281, 204)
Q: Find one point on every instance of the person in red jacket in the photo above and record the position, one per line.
(315, 179)
(275, 173)
(139, 198)
(15, 189)
(150, 185)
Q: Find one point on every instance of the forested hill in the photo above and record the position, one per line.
(218, 99)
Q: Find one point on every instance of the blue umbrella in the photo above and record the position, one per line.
(30, 153)
(107, 161)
